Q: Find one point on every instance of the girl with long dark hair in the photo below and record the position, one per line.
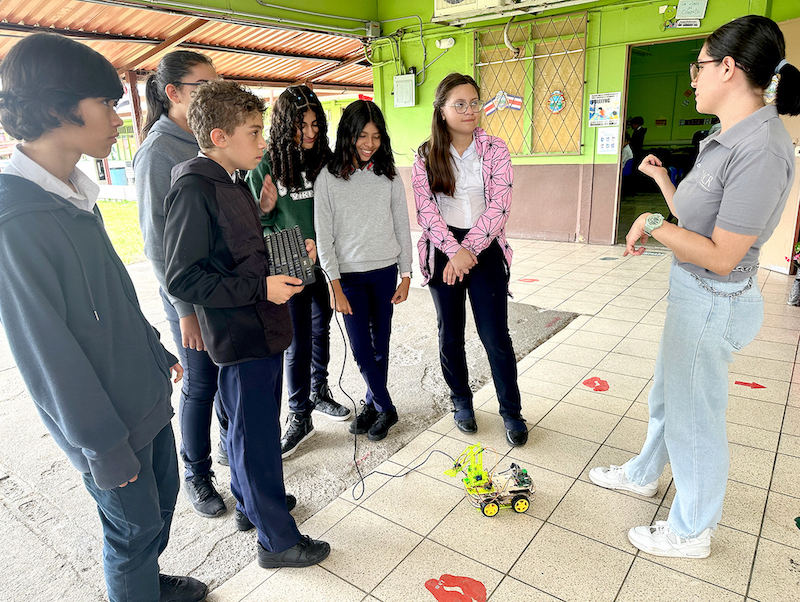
(462, 188)
(728, 205)
(170, 141)
(363, 237)
(283, 183)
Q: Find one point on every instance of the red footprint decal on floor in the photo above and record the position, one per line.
(597, 384)
(452, 588)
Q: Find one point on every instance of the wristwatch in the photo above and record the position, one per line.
(653, 221)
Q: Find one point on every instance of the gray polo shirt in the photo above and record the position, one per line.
(740, 182)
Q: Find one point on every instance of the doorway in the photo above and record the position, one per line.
(660, 94)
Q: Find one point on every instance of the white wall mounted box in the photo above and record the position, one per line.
(405, 90)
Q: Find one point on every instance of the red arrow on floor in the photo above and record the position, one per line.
(751, 385)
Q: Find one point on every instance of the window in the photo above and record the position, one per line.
(535, 92)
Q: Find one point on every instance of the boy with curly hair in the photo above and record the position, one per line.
(216, 259)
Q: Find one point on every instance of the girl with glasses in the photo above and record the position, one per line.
(364, 239)
(169, 141)
(283, 183)
(728, 205)
(462, 187)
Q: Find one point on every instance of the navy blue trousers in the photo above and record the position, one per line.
(198, 397)
(487, 287)
(251, 395)
(136, 521)
(306, 359)
(369, 328)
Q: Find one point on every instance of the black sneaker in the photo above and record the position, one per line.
(299, 428)
(324, 405)
(243, 523)
(222, 455)
(181, 589)
(305, 553)
(364, 420)
(380, 428)
(204, 497)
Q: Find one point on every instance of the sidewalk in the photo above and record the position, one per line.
(572, 543)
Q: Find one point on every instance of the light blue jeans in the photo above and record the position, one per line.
(706, 322)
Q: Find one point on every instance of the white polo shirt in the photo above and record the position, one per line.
(468, 202)
(740, 182)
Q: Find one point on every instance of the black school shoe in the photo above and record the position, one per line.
(516, 438)
(181, 589)
(305, 553)
(468, 426)
(204, 497)
(364, 420)
(243, 523)
(380, 428)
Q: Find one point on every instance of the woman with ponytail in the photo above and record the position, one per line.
(170, 141)
(728, 205)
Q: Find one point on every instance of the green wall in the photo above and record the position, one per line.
(611, 28)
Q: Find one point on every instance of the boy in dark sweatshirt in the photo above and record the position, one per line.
(92, 364)
(215, 258)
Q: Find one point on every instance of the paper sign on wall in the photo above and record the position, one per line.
(604, 109)
(608, 141)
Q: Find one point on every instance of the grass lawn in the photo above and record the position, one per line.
(122, 224)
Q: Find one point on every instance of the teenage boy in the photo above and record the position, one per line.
(92, 364)
(216, 260)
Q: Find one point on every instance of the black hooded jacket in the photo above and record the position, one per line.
(216, 259)
(93, 365)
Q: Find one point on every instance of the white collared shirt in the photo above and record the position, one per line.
(468, 202)
(87, 191)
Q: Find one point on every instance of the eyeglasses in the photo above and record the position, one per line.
(193, 92)
(461, 106)
(696, 66)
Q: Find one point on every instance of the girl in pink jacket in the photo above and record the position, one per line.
(462, 188)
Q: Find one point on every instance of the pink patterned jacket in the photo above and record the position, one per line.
(498, 177)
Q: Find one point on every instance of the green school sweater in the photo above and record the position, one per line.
(294, 208)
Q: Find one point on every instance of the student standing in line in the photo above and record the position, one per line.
(216, 259)
(462, 188)
(169, 141)
(283, 183)
(92, 364)
(728, 206)
(363, 235)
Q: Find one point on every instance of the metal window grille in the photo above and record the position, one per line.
(535, 91)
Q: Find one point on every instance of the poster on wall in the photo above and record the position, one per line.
(608, 141)
(604, 109)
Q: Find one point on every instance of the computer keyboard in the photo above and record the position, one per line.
(288, 255)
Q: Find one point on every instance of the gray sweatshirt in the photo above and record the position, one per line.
(166, 145)
(362, 223)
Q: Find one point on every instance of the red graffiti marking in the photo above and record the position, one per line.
(751, 385)
(597, 384)
(361, 460)
(452, 588)
(529, 280)
(551, 322)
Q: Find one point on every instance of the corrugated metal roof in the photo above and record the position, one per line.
(253, 53)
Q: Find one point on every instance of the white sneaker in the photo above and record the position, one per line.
(660, 540)
(614, 477)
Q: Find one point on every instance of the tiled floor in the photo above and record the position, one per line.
(572, 544)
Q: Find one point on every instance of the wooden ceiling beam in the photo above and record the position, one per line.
(165, 46)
